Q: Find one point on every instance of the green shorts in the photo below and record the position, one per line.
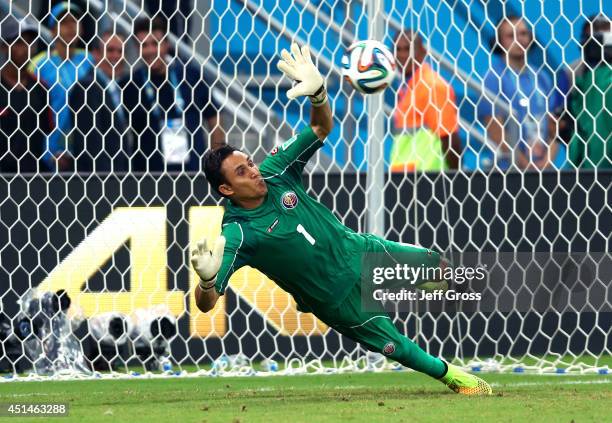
(412, 255)
(373, 329)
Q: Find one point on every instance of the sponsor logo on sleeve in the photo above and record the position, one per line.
(273, 225)
(288, 143)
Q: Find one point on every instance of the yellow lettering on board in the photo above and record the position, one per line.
(145, 229)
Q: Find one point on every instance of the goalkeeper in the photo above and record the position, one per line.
(273, 225)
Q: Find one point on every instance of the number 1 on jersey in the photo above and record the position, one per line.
(304, 232)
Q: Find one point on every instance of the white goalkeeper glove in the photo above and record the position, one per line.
(298, 66)
(207, 263)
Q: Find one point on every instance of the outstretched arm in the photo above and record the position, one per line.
(321, 120)
(298, 66)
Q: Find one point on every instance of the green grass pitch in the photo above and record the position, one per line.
(356, 397)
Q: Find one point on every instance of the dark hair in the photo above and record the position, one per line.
(589, 25)
(149, 25)
(213, 159)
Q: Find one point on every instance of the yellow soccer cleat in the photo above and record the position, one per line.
(465, 383)
(433, 286)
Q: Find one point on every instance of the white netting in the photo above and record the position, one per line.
(102, 196)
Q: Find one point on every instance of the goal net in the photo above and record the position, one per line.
(492, 147)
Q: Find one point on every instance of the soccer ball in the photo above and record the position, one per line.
(368, 66)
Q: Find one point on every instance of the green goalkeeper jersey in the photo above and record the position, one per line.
(292, 238)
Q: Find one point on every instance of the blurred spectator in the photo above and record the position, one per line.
(591, 99)
(426, 118)
(592, 25)
(528, 132)
(108, 55)
(24, 115)
(100, 140)
(178, 11)
(168, 103)
(566, 121)
(42, 10)
(59, 69)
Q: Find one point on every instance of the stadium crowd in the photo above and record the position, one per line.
(535, 119)
(66, 109)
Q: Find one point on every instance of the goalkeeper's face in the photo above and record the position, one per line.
(243, 181)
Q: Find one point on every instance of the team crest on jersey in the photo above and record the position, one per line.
(289, 200)
(389, 348)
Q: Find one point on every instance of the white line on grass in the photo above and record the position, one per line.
(502, 385)
(556, 383)
(511, 384)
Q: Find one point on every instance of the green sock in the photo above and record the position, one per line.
(411, 355)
